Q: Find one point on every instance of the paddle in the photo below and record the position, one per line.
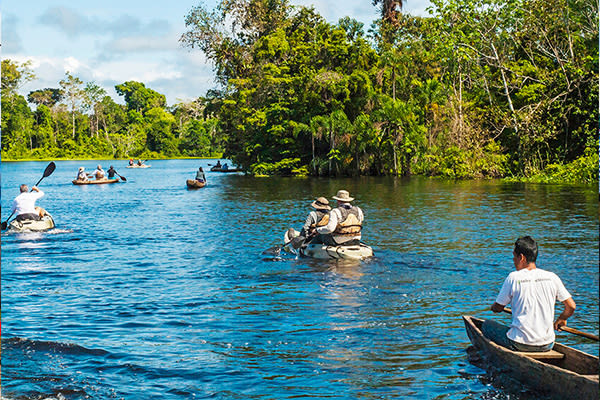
(276, 250)
(122, 177)
(47, 172)
(565, 328)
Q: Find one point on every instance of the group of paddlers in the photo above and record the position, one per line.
(139, 162)
(339, 226)
(98, 174)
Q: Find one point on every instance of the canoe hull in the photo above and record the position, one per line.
(95, 182)
(194, 184)
(213, 169)
(573, 377)
(138, 166)
(44, 224)
(325, 252)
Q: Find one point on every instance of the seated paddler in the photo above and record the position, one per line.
(344, 225)
(532, 292)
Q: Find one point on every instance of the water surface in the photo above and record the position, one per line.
(146, 289)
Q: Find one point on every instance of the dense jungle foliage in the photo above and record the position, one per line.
(481, 88)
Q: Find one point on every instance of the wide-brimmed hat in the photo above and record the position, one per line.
(321, 203)
(343, 195)
(81, 168)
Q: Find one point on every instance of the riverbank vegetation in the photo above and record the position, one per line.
(481, 88)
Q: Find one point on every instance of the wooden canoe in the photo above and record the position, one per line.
(562, 373)
(95, 181)
(194, 184)
(217, 169)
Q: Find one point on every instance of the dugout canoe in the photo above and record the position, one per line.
(194, 184)
(138, 166)
(30, 225)
(95, 181)
(217, 169)
(326, 252)
(562, 373)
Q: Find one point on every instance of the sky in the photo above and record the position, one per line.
(110, 42)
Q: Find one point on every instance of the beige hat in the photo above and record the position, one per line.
(343, 195)
(321, 203)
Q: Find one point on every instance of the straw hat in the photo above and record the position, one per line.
(81, 168)
(321, 203)
(344, 196)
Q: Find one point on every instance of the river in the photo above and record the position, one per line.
(146, 289)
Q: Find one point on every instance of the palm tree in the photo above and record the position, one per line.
(389, 10)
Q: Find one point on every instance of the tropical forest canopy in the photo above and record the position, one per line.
(482, 88)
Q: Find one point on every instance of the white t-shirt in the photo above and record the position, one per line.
(25, 202)
(532, 294)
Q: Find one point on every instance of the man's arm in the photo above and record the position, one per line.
(568, 311)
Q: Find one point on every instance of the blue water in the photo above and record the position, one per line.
(146, 289)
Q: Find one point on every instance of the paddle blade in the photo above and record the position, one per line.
(298, 241)
(49, 169)
(4, 225)
(123, 178)
(273, 251)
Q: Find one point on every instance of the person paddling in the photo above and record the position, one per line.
(532, 292)
(111, 172)
(200, 177)
(99, 173)
(82, 175)
(318, 217)
(345, 223)
(24, 204)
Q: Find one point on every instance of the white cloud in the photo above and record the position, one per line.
(72, 22)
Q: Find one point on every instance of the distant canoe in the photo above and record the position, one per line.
(217, 169)
(95, 181)
(138, 166)
(563, 373)
(194, 184)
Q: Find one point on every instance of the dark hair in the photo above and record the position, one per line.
(23, 188)
(528, 247)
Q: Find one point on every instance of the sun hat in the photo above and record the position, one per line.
(81, 168)
(343, 195)
(321, 203)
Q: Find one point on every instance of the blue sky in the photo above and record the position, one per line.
(110, 42)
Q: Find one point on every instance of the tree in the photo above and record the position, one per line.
(92, 94)
(48, 97)
(14, 76)
(73, 91)
(140, 98)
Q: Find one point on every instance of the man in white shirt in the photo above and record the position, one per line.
(532, 292)
(99, 173)
(24, 204)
